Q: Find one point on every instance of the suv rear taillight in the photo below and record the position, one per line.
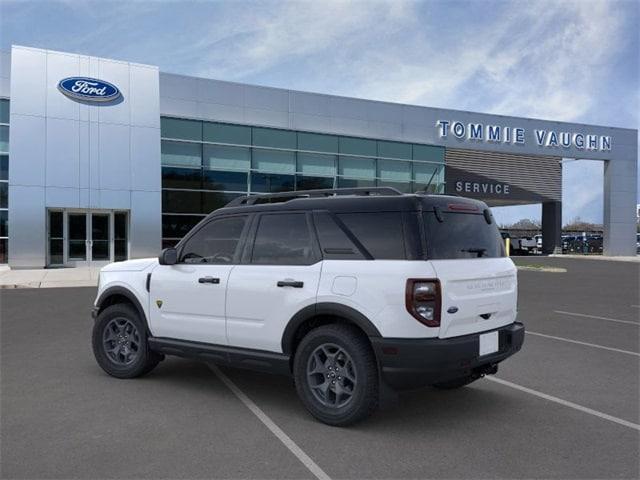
(422, 298)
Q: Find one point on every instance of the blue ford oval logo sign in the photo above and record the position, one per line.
(89, 89)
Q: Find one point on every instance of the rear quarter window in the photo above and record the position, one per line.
(461, 235)
(380, 233)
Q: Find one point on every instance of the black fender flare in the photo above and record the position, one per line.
(326, 308)
(128, 294)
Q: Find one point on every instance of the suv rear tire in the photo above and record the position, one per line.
(119, 341)
(336, 374)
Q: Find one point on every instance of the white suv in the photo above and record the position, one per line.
(355, 293)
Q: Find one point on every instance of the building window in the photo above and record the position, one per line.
(357, 167)
(224, 133)
(429, 177)
(4, 111)
(205, 165)
(272, 183)
(181, 201)
(358, 146)
(274, 138)
(182, 129)
(181, 153)
(177, 226)
(4, 181)
(316, 164)
(224, 181)
(274, 161)
(4, 167)
(187, 178)
(227, 158)
(4, 138)
(318, 143)
(394, 150)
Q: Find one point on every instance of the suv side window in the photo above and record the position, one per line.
(335, 243)
(381, 233)
(283, 239)
(216, 242)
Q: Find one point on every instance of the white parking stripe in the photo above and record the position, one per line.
(566, 403)
(594, 345)
(270, 424)
(597, 318)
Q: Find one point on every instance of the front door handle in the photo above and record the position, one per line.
(290, 283)
(209, 280)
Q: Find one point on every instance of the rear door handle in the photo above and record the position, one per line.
(209, 280)
(291, 283)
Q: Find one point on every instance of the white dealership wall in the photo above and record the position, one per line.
(68, 154)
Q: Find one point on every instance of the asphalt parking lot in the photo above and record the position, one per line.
(567, 406)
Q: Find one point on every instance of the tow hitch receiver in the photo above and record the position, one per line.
(489, 369)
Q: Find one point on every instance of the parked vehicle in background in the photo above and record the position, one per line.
(528, 245)
(519, 245)
(582, 244)
(538, 247)
(354, 293)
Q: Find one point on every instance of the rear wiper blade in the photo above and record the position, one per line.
(479, 251)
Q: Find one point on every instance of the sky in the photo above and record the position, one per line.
(558, 60)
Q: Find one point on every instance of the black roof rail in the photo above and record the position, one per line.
(364, 191)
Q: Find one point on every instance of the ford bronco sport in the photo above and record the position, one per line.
(355, 293)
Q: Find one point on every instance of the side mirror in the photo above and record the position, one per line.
(168, 256)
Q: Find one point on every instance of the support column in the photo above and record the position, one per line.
(620, 198)
(551, 227)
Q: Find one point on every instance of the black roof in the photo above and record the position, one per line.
(349, 200)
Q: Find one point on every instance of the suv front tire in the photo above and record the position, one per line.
(120, 345)
(336, 374)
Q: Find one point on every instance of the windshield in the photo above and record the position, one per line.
(462, 235)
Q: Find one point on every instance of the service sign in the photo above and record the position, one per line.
(469, 184)
(88, 89)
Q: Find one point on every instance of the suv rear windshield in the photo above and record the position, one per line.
(462, 235)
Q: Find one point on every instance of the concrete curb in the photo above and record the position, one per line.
(11, 286)
(49, 278)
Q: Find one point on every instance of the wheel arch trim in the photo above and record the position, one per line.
(128, 294)
(350, 314)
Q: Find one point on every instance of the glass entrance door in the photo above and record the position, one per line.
(99, 244)
(77, 239)
(86, 238)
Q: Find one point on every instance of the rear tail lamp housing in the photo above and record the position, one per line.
(423, 300)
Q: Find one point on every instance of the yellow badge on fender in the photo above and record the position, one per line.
(159, 303)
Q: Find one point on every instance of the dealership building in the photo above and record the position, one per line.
(103, 160)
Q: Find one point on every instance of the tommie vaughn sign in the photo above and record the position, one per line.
(88, 89)
(478, 132)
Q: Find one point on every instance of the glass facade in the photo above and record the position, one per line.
(206, 164)
(4, 180)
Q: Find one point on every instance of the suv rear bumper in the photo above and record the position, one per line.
(408, 363)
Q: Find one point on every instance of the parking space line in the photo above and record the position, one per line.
(598, 318)
(566, 403)
(270, 424)
(594, 345)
